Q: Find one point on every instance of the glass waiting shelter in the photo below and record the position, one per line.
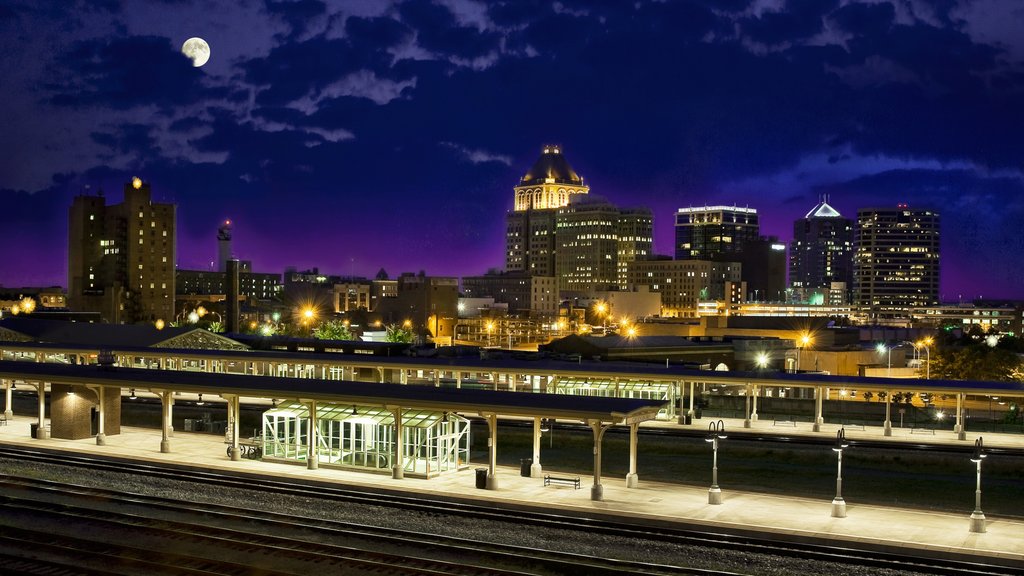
(608, 387)
(362, 437)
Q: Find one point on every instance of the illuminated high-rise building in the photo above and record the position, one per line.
(895, 262)
(820, 254)
(530, 227)
(121, 257)
(714, 232)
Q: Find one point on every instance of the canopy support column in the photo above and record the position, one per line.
(8, 398)
(597, 490)
(165, 421)
(492, 450)
(536, 470)
(101, 438)
(233, 410)
(632, 480)
(756, 391)
(41, 432)
(312, 439)
(961, 432)
(887, 426)
(818, 418)
(746, 408)
(398, 470)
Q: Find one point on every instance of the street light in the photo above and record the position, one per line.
(927, 345)
(490, 328)
(761, 359)
(601, 308)
(883, 349)
(716, 432)
(838, 504)
(978, 517)
(805, 340)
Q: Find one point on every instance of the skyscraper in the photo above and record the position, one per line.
(530, 227)
(224, 246)
(714, 232)
(121, 257)
(896, 261)
(820, 253)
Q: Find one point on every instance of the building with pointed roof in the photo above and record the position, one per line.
(821, 256)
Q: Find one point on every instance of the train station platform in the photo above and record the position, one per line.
(655, 503)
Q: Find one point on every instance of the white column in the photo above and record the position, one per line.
(753, 415)
(312, 439)
(492, 450)
(819, 419)
(692, 412)
(41, 432)
(398, 471)
(165, 421)
(536, 470)
(632, 480)
(887, 426)
(961, 433)
(233, 411)
(101, 438)
(746, 408)
(597, 490)
(9, 396)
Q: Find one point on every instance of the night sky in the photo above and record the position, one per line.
(360, 135)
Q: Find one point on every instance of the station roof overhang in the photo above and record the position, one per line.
(548, 367)
(525, 404)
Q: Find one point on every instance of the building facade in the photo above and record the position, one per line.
(896, 262)
(820, 254)
(530, 227)
(121, 257)
(714, 232)
(683, 283)
(524, 294)
(261, 286)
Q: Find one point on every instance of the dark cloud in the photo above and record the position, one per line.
(800, 19)
(298, 14)
(125, 73)
(865, 19)
(438, 31)
(381, 32)
(129, 139)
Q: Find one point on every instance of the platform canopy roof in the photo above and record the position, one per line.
(465, 401)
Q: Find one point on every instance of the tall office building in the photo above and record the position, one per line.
(587, 245)
(530, 227)
(896, 261)
(820, 254)
(683, 283)
(636, 240)
(121, 257)
(714, 232)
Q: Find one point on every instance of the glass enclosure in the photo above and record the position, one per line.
(608, 387)
(363, 437)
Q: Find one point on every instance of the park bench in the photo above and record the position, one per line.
(916, 430)
(573, 481)
(784, 423)
(853, 426)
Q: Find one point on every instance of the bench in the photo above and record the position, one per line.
(784, 423)
(574, 481)
(3, 420)
(915, 430)
(853, 426)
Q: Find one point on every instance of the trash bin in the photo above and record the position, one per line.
(481, 477)
(524, 467)
(696, 413)
(687, 419)
(34, 427)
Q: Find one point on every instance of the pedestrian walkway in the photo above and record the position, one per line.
(654, 502)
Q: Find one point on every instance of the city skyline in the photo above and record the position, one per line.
(391, 135)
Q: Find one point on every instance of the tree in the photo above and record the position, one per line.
(332, 330)
(868, 396)
(398, 334)
(977, 361)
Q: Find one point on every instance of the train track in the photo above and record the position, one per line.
(692, 535)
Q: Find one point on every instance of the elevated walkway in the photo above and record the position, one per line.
(655, 503)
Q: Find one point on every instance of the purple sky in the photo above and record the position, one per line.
(364, 135)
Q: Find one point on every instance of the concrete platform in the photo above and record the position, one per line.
(651, 502)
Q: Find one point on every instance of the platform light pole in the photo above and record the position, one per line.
(838, 504)
(881, 348)
(978, 517)
(716, 432)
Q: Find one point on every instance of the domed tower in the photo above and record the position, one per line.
(530, 229)
(549, 183)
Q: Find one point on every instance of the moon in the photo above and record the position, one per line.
(197, 50)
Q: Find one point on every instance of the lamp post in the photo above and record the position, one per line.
(978, 517)
(838, 504)
(804, 341)
(883, 349)
(716, 432)
(602, 309)
(927, 345)
(490, 328)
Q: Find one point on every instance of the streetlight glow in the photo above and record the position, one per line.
(716, 432)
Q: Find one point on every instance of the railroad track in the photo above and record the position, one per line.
(687, 536)
(139, 533)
